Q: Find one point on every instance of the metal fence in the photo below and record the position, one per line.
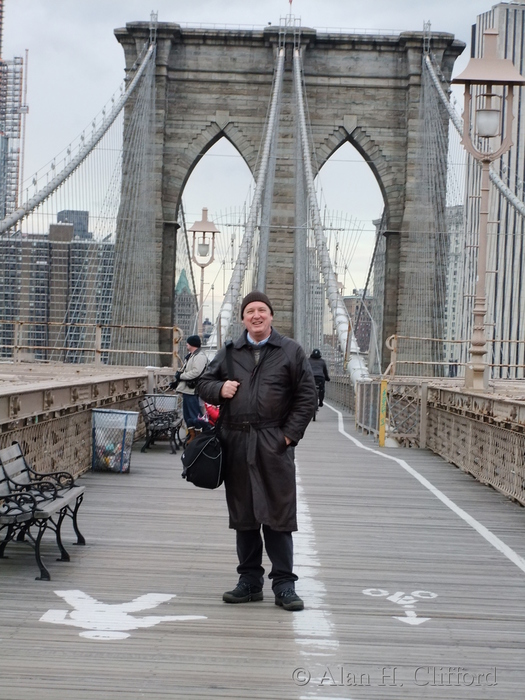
(482, 435)
(391, 410)
(341, 390)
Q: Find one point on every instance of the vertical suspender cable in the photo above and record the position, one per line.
(355, 365)
(234, 288)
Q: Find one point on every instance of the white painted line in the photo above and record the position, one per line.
(475, 524)
(313, 628)
(314, 631)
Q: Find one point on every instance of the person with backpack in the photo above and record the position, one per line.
(320, 372)
(185, 383)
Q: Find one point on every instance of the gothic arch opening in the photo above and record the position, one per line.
(222, 183)
(351, 201)
(352, 205)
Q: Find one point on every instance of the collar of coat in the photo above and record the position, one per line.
(274, 339)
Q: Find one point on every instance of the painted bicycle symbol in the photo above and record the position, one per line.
(406, 600)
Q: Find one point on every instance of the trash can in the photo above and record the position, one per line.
(113, 433)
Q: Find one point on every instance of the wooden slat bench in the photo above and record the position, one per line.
(33, 501)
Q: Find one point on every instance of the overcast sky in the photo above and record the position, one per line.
(75, 65)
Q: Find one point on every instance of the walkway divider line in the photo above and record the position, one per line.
(313, 628)
(475, 524)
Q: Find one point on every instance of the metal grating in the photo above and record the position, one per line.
(493, 455)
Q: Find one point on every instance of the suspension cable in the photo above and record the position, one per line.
(235, 285)
(517, 203)
(342, 323)
(86, 149)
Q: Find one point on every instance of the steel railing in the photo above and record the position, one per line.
(405, 349)
(94, 351)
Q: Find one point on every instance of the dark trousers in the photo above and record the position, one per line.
(319, 383)
(191, 410)
(279, 547)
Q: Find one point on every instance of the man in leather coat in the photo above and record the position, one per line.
(267, 406)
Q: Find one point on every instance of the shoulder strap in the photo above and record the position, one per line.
(229, 373)
(229, 361)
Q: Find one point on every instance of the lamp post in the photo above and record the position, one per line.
(201, 249)
(480, 77)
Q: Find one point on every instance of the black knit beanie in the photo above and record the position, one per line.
(255, 296)
(194, 341)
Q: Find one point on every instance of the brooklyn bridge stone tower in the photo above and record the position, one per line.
(361, 89)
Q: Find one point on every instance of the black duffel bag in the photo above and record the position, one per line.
(202, 460)
(202, 457)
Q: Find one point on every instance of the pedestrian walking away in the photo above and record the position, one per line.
(320, 372)
(185, 383)
(267, 408)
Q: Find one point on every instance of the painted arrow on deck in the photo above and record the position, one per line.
(411, 618)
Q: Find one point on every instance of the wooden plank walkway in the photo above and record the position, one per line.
(406, 598)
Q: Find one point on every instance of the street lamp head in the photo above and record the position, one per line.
(203, 242)
(480, 78)
(204, 226)
(490, 70)
(201, 249)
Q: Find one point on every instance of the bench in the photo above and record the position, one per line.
(30, 501)
(160, 424)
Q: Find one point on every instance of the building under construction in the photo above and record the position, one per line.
(12, 111)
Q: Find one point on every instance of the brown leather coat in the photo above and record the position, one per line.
(276, 397)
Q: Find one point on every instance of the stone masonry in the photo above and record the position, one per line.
(363, 89)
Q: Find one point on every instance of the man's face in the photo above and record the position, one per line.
(257, 319)
(190, 348)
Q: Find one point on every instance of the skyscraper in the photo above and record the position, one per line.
(54, 288)
(11, 114)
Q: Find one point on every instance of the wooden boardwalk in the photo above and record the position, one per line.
(413, 577)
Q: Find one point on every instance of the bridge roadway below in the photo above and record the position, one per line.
(412, 573)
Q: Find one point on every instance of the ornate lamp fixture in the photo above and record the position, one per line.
(482, 120)
(201, 252)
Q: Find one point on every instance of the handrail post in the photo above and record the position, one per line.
(98, 344)
(16, 341)
(372, 424)
(175, 348)
(151, 380)
(383, 402)
(358, 403)
(423, 416)
(393, 356)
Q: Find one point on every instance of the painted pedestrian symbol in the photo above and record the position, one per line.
(105, 621)
(406, 600)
